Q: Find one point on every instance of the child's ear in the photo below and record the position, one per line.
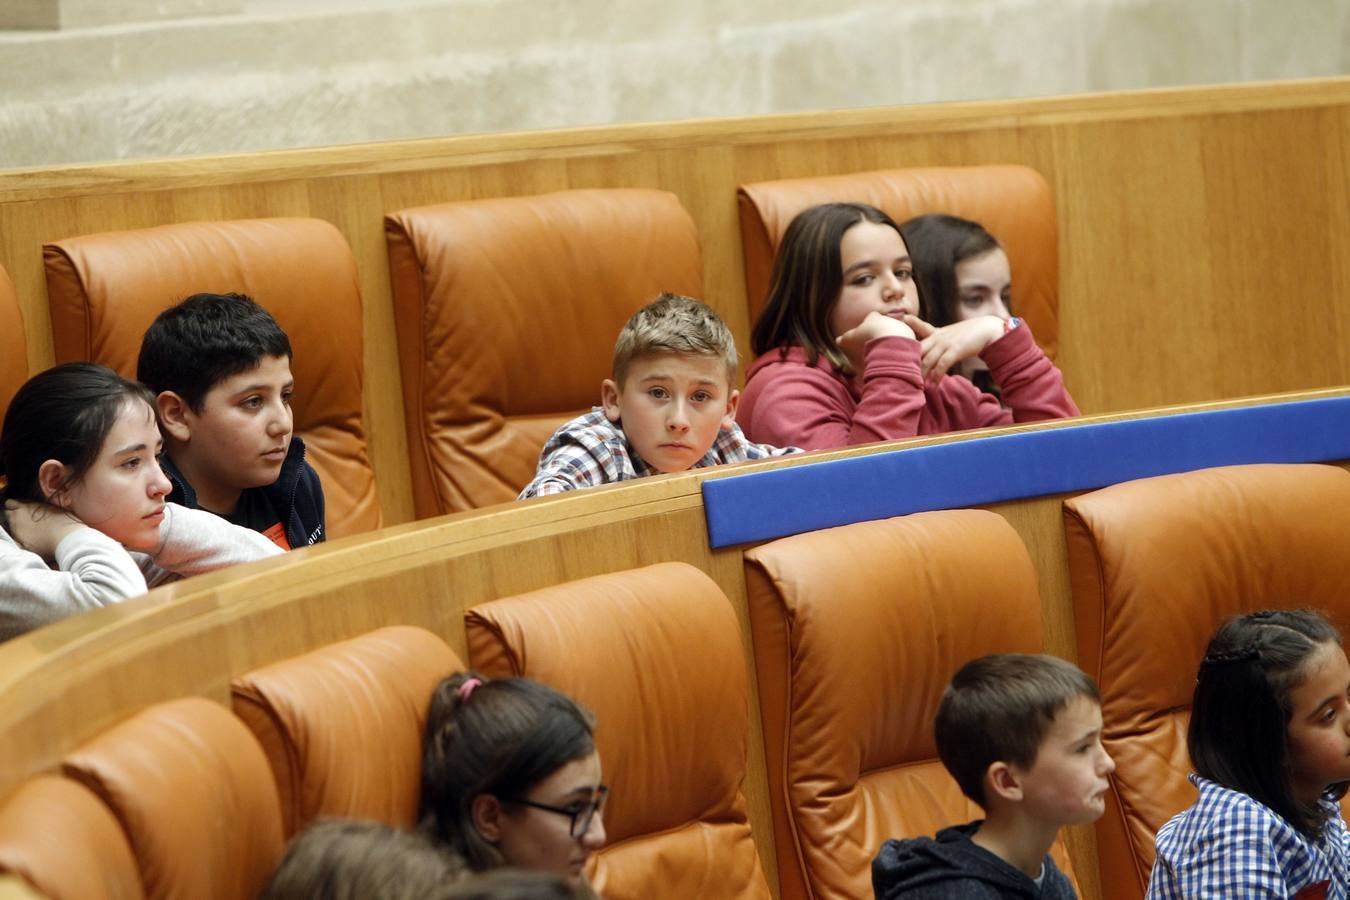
(1001, 780)
(609, 399)
(172, 411)
(52, 482)
(486, 813)
(729, 420)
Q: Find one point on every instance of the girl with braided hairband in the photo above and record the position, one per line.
(511, 776)
(1270, 741)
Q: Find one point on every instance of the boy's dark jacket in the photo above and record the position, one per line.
(952, 866)
(296, 495)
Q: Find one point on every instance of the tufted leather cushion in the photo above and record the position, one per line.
(857, 631)
(342, 726)
(1155, 566)
(1013, 202)
(13, 350)
(507, 311)
(656, 654)
(106, 289)
(194, 795)
(58, 837)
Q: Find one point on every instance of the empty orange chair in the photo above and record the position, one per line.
(13, 349)
(342, 725)
(1155, 566)
(195, 798)
(656, 654)
(1013, 202)
(507, 311)
(106, 289)
(61, 840)
(857, 631)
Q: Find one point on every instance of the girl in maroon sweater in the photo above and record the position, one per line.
(847, 353)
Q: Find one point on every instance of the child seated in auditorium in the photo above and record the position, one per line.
(1021, 734)
(85, 520)
(220, 367)
(1269, 737)
(511, 777)
(847, 356)
(669, 407)
(962, 273)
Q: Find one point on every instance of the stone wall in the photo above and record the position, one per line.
(269, 74)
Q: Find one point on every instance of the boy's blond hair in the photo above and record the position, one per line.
(673, 323)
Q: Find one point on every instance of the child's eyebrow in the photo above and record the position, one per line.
(131, 448)
(872, 262)
(262, 387)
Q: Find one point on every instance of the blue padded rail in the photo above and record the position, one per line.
(765, 505)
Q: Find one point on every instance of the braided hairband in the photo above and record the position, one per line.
(1246, 653)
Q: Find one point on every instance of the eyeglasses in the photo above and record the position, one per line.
(581, 813)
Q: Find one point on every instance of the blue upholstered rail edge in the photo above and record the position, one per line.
(765, 505)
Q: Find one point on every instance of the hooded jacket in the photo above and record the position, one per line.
(953, 867)
(296, 496)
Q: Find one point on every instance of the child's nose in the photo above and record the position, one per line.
(159, 485)
(678, 418)
(594, 838)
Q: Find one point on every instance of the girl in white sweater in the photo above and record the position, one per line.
(85, 523)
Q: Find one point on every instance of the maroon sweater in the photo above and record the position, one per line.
(787, 402)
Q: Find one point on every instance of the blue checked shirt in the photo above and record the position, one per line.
(591, 450)
(1228, 846)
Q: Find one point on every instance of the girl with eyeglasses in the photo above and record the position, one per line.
(511, 776)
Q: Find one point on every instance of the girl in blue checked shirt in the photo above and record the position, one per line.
(1270, 741)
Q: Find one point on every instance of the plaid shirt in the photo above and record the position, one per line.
(591, 450)
(1229, 845)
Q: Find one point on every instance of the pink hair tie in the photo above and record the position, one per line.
(468, 687)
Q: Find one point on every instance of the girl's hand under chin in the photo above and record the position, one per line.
(39, 527)
(875, 325)
(945, 347)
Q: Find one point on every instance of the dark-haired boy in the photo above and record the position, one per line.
(220, 367)
(1021, 734)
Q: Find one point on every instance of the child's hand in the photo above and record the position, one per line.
(39, 527)
(875, 325)
(944, 347)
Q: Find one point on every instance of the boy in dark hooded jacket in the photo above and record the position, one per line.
(1021, 734)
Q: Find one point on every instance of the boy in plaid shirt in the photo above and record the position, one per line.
(669, 406)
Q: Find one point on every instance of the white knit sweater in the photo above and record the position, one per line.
(93, 570)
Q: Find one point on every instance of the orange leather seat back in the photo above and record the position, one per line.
(857, 631)
(1013, 202)
(60, 839)
(342, 726)
(656, 654)
(1155, 566)
(106, 289)
(507, 311)
(13, 349)
(195, 798)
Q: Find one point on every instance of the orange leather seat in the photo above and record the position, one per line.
(13, 349)
(1155, 566)
(656, 654)
(1013, 202)
(857, 631)
(60, 839)
(342, 726)
(507, 311)
(105, 289)
(195, 798)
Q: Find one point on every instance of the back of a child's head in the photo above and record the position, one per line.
(999, 708)
(1240, 713)
(937, 243)
(192, 346)
(499, 736)
(65, 414)
(808, 274)
(520, 884)
(673, 323)
(338, 859)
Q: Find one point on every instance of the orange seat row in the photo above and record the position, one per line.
(854, 631)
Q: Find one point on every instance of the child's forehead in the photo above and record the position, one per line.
(707, 367)
(270, 371)
(1079, 713)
